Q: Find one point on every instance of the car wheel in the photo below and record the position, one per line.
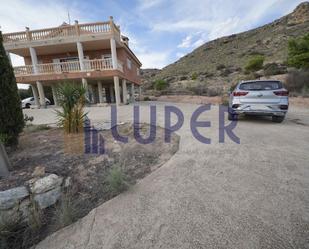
(28, 106)
(277, 119)
(232, 116)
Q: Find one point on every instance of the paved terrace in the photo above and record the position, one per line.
(252, 195)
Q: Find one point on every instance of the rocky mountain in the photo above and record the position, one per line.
(214, 66)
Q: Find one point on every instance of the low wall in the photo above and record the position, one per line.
(38, 192)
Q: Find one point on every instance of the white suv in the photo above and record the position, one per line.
(259, 97)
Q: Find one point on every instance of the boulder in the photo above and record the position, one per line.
(9, 198)
(49, 198)
(24, 208)
(67, 182)
(46, 183)
(10, 217)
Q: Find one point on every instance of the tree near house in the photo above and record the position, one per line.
(11, 116)
(298, 52)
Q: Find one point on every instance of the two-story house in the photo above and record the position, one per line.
(93, 54)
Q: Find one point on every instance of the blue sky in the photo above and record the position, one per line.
(160, 31)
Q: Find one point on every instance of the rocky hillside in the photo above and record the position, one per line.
(214, 66)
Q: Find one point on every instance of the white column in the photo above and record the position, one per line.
(85, 85)
(124, 91)
(34, 60)
(114, 53)
(53, 87)
(80, 55)
(133, 92)
(90, 92)
(35, 95)
(80, 52)
(139, 92)
(117, 92)
(100, 90)
(112, 95)
(41, 93)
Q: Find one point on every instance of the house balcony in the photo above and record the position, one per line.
(60, 35)
(64, 70)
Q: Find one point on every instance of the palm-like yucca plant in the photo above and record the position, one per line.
(71, 98)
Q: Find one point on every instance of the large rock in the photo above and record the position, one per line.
(10, 217)
(46, 183)
(49, 198)
(9, 198)
(24, 208)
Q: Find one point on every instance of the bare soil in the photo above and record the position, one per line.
(194, 99)
(52, 150)
(47, 148)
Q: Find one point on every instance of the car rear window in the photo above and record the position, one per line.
(261, 85)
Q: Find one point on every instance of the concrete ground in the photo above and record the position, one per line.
(251, 195)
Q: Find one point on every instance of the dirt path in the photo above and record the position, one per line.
(251, 195)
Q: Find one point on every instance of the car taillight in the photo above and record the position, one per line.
(237, 94)
(281, 93)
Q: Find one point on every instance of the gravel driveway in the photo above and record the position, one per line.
(251, 195)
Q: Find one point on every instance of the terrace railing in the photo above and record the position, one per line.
(66, 67)
(61, 32)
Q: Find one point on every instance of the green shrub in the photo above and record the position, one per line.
(214, 91)
(225, 100)
(160, 85)
(298, 81)
(233, 86)
(116, 180)
(274, 69)
(226, 72)
(35, 217)
(298, 52)
(194, 76)
(146, 98)
(28, 118)
(200, 89)
(220, 66)
(11, 116)
(11, 228)
(71, 98)
(66, 212)
(255, 63)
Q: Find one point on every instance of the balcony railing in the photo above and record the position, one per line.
(66, 67)
(61, 32)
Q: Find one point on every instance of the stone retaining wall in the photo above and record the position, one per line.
(40, 192)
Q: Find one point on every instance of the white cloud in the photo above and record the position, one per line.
(201, 21)
(186, 42)
(17, 14)
(179, 54)
(154, 59)
(159, 31)
(147, 4)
